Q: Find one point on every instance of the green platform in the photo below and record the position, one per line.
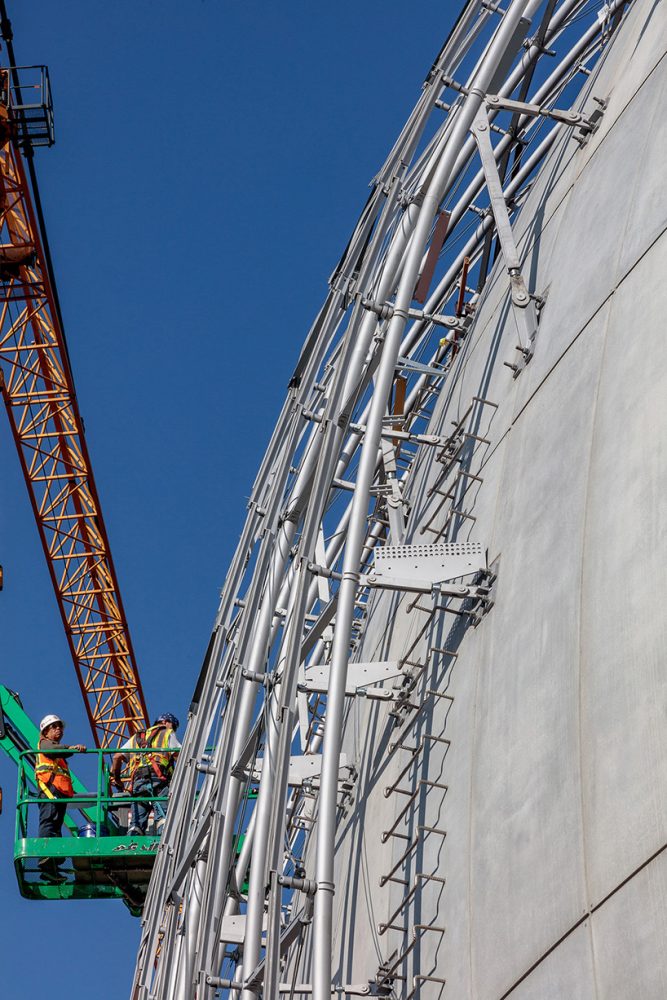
(95, 867)
(106, 865)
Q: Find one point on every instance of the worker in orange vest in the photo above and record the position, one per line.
(54, 782)
(149, 772)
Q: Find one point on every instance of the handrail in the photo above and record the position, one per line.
(102, 801)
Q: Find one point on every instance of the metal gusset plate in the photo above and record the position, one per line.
(428, 563)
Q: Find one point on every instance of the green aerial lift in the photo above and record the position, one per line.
(105, 862)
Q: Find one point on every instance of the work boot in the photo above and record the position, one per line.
(50, 872)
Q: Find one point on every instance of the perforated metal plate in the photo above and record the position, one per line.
(433, 563)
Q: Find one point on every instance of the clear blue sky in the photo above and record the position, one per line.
(211, 160)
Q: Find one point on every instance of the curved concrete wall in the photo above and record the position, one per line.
(550, 833)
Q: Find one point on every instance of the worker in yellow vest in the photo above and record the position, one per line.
(54, 783)
(149, 772)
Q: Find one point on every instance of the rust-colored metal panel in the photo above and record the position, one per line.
(460, 302)
(400, 390)
(437, 241)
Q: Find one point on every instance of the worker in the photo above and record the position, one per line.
(149, 772)
(54, 782)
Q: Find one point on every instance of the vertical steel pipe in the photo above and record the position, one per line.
(326, 830)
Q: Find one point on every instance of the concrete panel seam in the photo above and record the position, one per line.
(626, 274)
(583, 919)
(622, 111)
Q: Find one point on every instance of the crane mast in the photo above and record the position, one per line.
(40, 398)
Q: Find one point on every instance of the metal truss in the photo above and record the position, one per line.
(39, 394)
(242, 889)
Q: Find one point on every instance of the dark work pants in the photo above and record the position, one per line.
(51, 818)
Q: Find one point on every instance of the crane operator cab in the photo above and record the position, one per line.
(94, 850)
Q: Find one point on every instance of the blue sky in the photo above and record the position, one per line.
(211, 160)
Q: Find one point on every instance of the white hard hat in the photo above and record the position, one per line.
(48, 720)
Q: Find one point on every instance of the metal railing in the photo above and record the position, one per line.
(97, 808)
(26, 92)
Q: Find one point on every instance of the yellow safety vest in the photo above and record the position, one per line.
(158, 757)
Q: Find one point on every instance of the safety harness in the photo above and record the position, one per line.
(53, 775)
(161, 762)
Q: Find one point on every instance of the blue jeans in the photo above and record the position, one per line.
(51, 818)
(148, 785)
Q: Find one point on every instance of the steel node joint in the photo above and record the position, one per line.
(386, 310)
(305, 885)
(538, 45)
(520, 296)
(226, 984)
(266, 680)
(382, 309)
(499, 103)
(311, 416)
(324, 571)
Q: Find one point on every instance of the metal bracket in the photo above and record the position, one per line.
(427, 564)
(315, 680)
(486, 597)
(587, 125)
(407, 364)
(525, 354)
(304, 989)
(232, 928)
(385, 310)
(592, 123)
(498, 103)
(302, 768)
(523, 305)
(393, 495)
(423, 587)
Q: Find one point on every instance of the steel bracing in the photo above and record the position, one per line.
(242, 893)
(40, 398)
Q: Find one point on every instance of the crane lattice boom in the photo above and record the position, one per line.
(38, 391)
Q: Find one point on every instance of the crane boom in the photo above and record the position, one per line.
(39, 394)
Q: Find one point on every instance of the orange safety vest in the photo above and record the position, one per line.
(53, 775)
(160, 759)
